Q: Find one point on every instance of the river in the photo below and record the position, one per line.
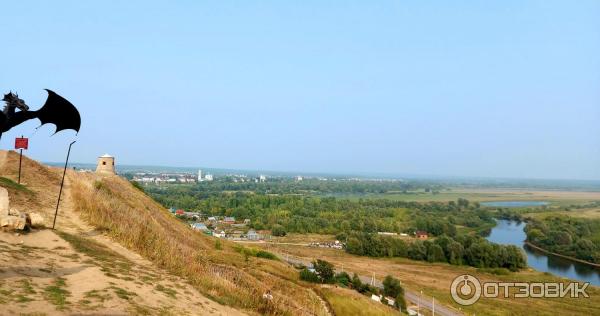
(511, 233)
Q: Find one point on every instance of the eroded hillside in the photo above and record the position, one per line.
(116, 251)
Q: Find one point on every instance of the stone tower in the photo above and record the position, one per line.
(106, 164)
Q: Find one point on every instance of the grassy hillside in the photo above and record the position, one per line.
(222, 273)
(349, 302)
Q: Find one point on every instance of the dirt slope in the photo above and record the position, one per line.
(76, 270)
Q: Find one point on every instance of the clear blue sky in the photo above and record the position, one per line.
(464, 88)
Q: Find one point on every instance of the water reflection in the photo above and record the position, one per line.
(511, 233)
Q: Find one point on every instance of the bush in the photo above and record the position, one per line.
(266, 255)
(342, 279)
(278, 231)
(307, 275)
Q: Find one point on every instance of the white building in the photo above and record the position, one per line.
(208, 177)
(199, 175)
(262, 178)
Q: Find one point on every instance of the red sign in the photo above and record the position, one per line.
(21, 143)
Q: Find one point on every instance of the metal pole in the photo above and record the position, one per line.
(419, 303)
(20, 158)
(62, 183)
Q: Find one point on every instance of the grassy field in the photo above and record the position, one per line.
(435, 279)
(349, 302)
(591, 213)
(482, 195)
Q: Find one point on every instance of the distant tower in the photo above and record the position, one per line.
(199, 175)
(106, 164)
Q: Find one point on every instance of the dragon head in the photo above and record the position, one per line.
(12, 100)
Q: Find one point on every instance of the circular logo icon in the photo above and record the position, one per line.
(465, 289)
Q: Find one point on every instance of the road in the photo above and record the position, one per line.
(422, 300)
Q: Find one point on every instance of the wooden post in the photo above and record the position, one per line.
(20, 159)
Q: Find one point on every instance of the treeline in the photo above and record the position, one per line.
(463, 249)
(330, 215)
(307, 186)
(574, 237)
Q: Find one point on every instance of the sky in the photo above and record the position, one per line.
(449, 88)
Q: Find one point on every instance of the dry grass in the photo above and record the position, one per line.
(39, 184)
(139, 223)
(350, 302)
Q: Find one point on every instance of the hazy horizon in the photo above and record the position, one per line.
(310, 173)
(474, 90)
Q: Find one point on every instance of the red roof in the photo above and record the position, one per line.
(179, 212)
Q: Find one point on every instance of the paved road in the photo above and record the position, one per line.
(424, 301)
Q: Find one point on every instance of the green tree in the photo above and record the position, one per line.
(324, 270)
(435, 253)
(454, 253)
(400, 301)
(391, 286)
(417, 251)
(278, 231)
(356, 282)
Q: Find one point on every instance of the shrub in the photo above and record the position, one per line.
(343, 279)
(278, 231)
(307, 275)
(266, 255)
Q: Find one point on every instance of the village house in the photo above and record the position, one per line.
(229, 220)
(199, 227)
(253, 235)
(192, 215)
(421, 234)
(327, 244)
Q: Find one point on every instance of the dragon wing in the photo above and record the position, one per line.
(60, 112)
